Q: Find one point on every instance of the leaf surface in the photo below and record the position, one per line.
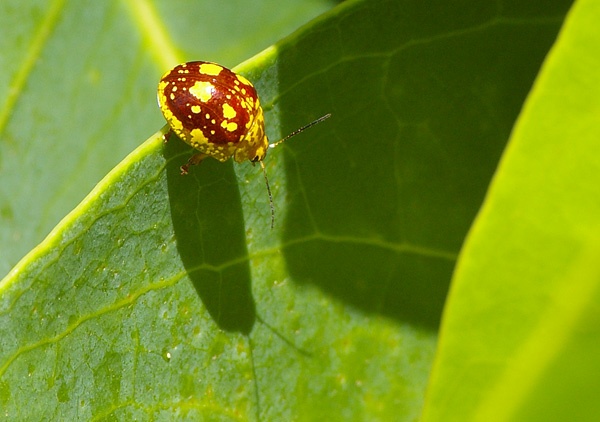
(163, 297)
(520, 337)
(78, 90)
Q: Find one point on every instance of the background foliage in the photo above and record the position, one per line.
(162, 296)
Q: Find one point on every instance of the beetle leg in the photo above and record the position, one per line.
(167, 135)
(193, 161)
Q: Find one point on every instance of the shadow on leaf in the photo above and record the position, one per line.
(381, 196)
(206, 213)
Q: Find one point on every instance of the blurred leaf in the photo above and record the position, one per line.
(520, 339)
(163, 297)
(78, 90)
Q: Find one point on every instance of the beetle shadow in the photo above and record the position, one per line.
(207, 220)
(378, 209)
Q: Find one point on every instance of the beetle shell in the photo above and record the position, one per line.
(214, 110)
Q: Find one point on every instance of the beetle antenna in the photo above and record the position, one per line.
(302, 129)
(273, 145)
(271, 205)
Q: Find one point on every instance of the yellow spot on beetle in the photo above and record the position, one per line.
(210, 69)
(230, 126)
(228, 111)
(196, 109)
(198, 137)
(243, 80)
(202, 90)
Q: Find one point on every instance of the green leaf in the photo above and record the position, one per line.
(520, 338)
(168, 297)
(78, 90)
